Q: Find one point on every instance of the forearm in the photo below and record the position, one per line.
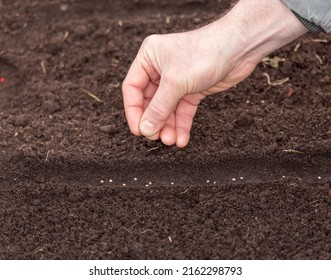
(258, 27)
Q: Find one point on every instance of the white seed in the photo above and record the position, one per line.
(63, 7)
(208, 181)
(283, 177)
(241, 178)
(214, 182)
(102, 181)
(150, 183)
(172, 183)
(110, 180)
(319, 177)
(234, 179)
(135, 179)
(146, 185)
(124, 185)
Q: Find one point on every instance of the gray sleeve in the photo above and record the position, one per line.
(314, 14)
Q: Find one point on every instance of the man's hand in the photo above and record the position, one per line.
(173, 73)
(169, 77)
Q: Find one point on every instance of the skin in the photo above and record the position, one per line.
(172, 73)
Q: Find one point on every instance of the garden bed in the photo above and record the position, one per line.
(254, 182)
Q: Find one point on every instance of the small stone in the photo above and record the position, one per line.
(110, 129)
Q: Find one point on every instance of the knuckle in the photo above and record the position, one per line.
(149, 40)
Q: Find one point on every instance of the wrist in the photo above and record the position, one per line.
(259, 27)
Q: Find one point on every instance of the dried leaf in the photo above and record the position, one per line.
(273, 62)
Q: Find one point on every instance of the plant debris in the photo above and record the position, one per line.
(272, 61)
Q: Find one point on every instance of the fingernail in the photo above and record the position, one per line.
(147, 128)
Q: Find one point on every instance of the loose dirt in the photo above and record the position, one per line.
(254, 182)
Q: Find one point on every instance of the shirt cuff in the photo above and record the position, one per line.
(312, 27)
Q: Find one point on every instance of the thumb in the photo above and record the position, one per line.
(158, 111)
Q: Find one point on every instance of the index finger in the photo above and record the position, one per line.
(133, 88)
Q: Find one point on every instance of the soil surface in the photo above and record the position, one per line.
(254, 182)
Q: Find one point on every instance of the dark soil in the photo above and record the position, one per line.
(254, 182)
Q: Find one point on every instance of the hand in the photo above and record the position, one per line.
(169, 77)
(173, 73)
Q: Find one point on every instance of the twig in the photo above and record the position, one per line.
(320, 41)
(65, 36)
(297, 47)
(146, 230)
(319, 59)
(92, 95)
(277, 82)
(47, 155)
(43, 68)
(292, 151)
(152, 149)
(184, 191)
